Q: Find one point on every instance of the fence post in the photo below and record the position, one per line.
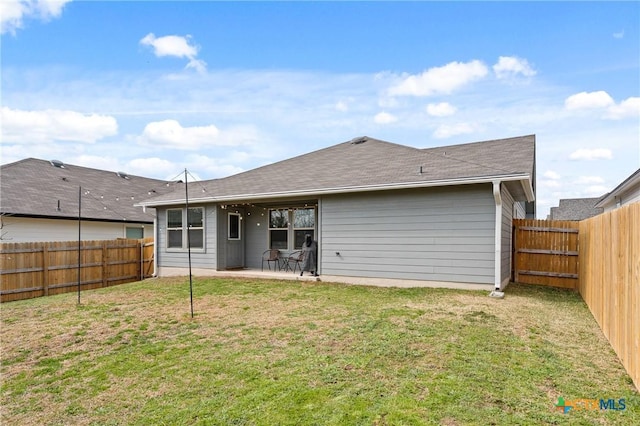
(141, 254)
(45, 269)
(105, 264)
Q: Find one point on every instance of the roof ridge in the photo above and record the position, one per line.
(67, 165)
(478, 142)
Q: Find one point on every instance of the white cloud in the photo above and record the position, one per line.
(20, 126)
(619, 34)
(447, 130)
(595, 190)
(152, 166)
(445, 79)
(177, 46)
(550, 174)
(342, 106)
(585, 180)
(550, 183)
(385, 118)
(587, 100)
(171, 134)
(441, 109)
(13, 12)
(591, 154)
(214, 167)
(511, 66)
(630, 107)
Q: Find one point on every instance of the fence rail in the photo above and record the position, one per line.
(610, 280)
(29, 270)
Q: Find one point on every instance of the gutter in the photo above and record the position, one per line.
(524, 178)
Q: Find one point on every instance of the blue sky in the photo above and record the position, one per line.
(152, 88)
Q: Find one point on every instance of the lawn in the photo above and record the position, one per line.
(298, 353)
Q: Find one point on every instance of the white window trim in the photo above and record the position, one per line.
(185, 220)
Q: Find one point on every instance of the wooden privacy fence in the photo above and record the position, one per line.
(546, 252)
(610, 280)
(37, 269)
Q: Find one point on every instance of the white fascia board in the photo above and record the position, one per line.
(625, 185)
(351, 189)
(528, 189)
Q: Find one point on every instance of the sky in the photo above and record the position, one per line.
(152, 88)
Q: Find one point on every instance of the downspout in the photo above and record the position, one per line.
(497, 239)
(155, 245)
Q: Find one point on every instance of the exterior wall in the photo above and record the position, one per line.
(179, 258)
(519, 211)
(628, 196)
(435, 234)
(256, 236)
(25, 229)
(507, 230)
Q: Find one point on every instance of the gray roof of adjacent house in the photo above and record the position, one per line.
(575, 209)
(49, 189)
(365, 164)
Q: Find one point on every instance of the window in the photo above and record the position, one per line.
(134, 233)
(196, 227)
(195, 220)
(234, 226)
(303, 221)
(174, 228)
(279, 229)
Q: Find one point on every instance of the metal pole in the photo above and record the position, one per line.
(186, 198)
(79, 239)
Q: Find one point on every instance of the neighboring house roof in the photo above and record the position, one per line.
(575, 209)
(37, 188)
(365, 163)
(619, 191)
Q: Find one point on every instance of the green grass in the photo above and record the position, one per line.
(292, 353)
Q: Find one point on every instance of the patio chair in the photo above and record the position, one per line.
(271, 255)
(294, 260)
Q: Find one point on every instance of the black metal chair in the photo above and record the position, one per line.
(295, 259)
(271, 255)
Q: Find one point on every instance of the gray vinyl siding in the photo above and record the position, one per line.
(519, 211)
(507, 224)
(205, 259)
(437, 234)
(256, 236)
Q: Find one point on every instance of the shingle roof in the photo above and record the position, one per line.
(575, 209)
(368, 163)
(33, 187)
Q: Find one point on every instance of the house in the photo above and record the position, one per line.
(40, 199)
(382, 213)
(575, 209)
(626, 193)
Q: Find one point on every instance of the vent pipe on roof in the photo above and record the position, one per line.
(123, 175)
(57, 163)
(358, 141)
